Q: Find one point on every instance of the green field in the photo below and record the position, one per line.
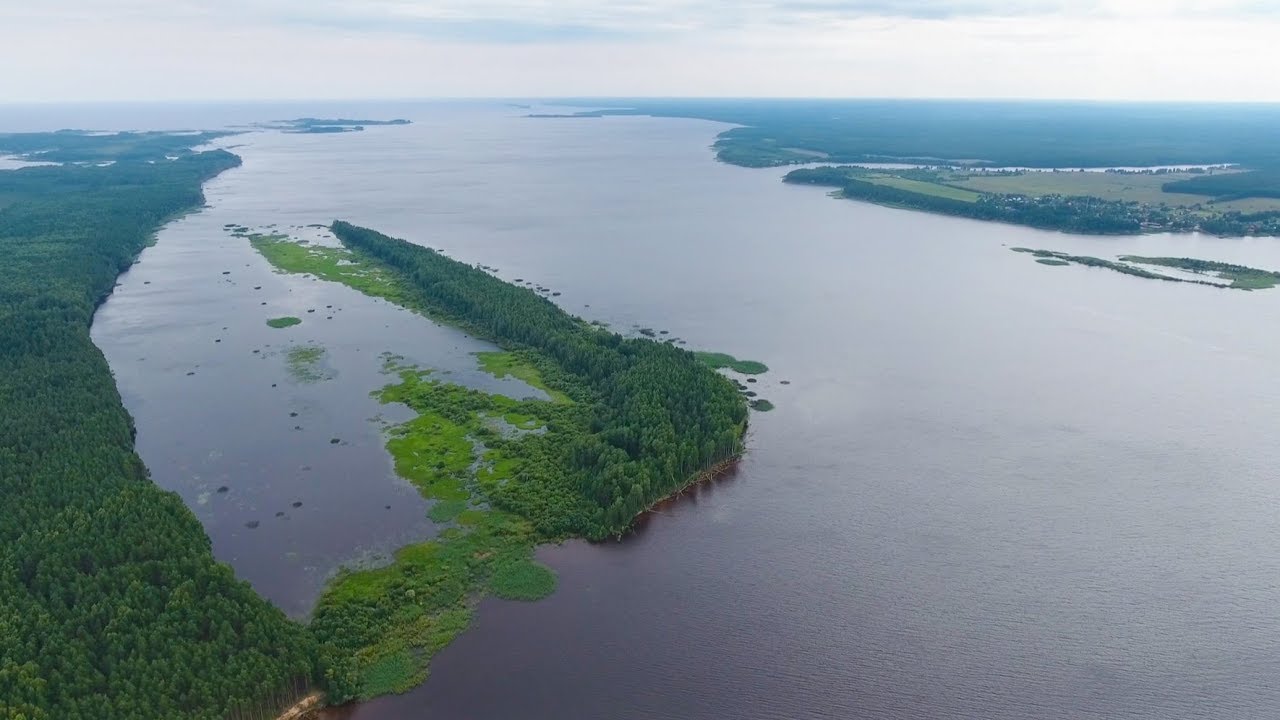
(1111, 186)
(925, 188)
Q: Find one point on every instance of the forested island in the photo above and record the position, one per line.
(322, 126)
(625, 423)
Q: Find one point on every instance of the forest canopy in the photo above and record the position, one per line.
(111, 603)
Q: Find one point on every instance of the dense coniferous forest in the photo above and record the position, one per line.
(111, 604)
(1230, 186)
(1043, 134)
(659, 415)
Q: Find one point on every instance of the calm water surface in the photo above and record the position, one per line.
(993, 489)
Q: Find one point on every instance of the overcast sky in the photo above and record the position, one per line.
(56, 50)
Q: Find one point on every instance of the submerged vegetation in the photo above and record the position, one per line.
(303, 362)
(1240, 276)
(627, 422)
(284, 322)
(111, 603)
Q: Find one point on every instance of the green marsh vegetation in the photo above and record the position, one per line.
(720, 361)
(628, 422)
(284, 322)
(1242, 277)
(111, 603)
(520, 366)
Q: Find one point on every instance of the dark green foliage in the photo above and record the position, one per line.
(71, 146)
(1231, 186)
(658, 415)
(992, 132)
(111, 604)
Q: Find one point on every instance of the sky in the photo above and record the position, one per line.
(165, 50)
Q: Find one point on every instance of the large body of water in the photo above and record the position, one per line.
(993, 489)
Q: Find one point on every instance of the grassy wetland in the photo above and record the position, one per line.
(1236, 277)
(626, 422)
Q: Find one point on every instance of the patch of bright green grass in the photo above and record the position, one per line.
(336, 264)
(761, 405)
(444, 511)
(925, 188)
(284, 322)
(522, 579)
(1052, 261)
(723, 360)
(500, 364)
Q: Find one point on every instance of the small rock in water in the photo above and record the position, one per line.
(297, 503)
(218, 340)
(257, 351)
(251, 524)
(312, 310)
(293, 414)
(223, 488)
(279, 513)
(786, 382)
(334, 441)
(388, 507)
(257, 287)
(273, 384)
(193, 372)
(751, 380)
(146, 282)
(226, 272)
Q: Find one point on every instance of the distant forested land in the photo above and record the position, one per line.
(1072, 214)
(72, 146)
(310, 122)
(993, 133)
(951, 192)
(111, 603)
(1231, 186)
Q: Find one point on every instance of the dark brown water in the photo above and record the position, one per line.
(993, 489)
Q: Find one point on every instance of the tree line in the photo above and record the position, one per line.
(111, 603)
(658, 415)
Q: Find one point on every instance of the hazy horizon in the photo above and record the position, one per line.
(238, 50)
